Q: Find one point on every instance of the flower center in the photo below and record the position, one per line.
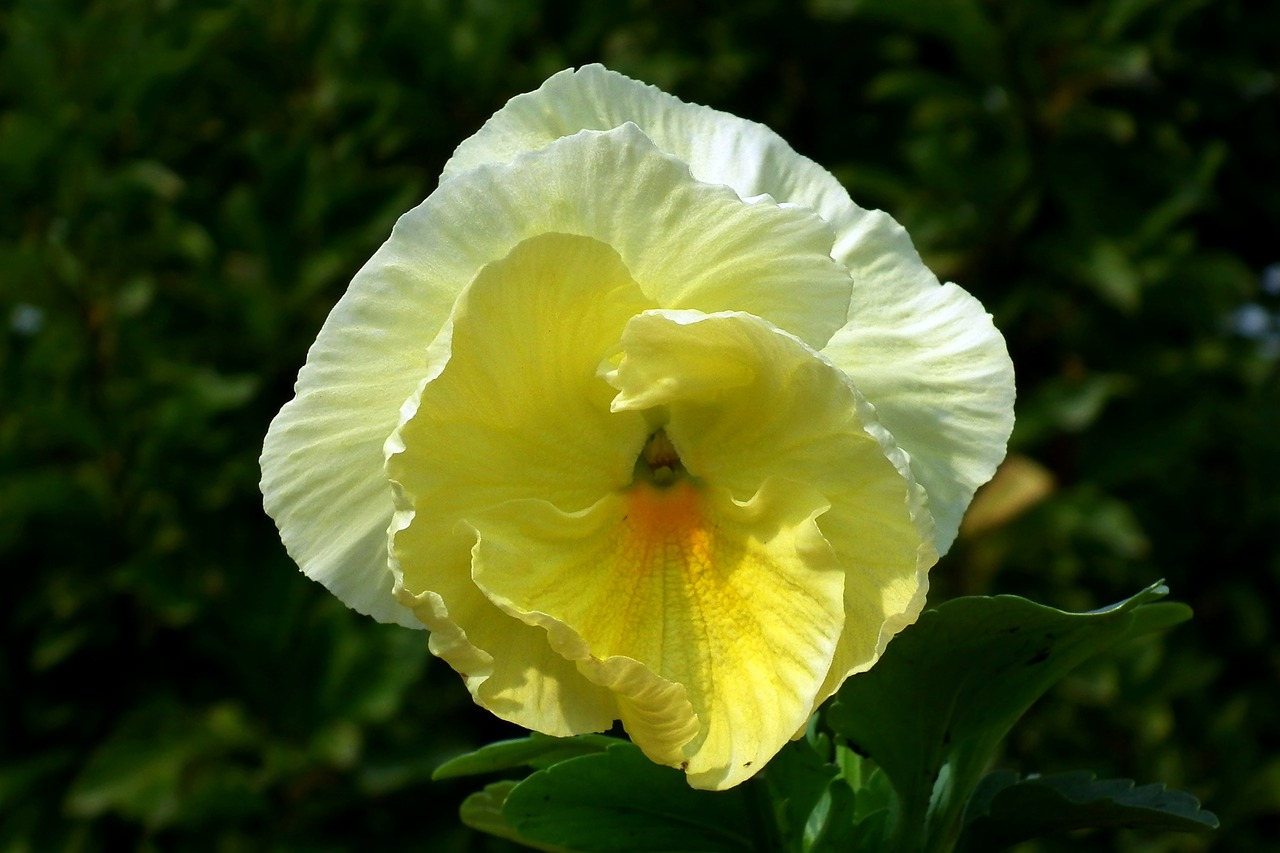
(665, 525)
(659, 464)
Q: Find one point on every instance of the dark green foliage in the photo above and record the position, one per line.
(1005, 810)
(537, 751)
(185, 189)
(934, 710)
(621, 801)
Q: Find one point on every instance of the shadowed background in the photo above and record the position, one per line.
(186, 188)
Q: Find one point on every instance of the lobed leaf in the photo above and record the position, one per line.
(1005, 810)
(538, 751)
(619, 801)
(949, 688)
(483, 811)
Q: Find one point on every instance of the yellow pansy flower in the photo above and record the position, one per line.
(646, 421)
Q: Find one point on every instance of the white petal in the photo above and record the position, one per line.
(941, 381)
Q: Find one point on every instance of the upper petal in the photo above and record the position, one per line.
(687, 243)
(719, 148)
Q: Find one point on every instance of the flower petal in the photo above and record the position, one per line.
(739, 604)
(687, 244)
(942, 383)
(893, 342)
(719, 147)
(517, 412)
(507, 665)
(747, 402)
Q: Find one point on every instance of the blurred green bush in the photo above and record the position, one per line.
(185, 190)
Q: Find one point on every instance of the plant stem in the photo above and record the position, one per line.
(765, 834)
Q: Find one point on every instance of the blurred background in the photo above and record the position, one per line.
(186, 188)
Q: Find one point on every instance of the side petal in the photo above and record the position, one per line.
(708, 617)
(517, 412)
(519, 409)
(942, 383)
(747, 402)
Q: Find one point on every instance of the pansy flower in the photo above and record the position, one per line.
(645, 420)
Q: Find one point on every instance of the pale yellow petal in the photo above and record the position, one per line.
(719, 147)
(518, 411)
(942, 383)
(507, 665)
(687, 243)
(737, 604)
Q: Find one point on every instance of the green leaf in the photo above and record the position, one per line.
(1005, 811)
(949, 688)
(1110, 272)
(140, 778)
(831, 828)
(167, 765)
(875, 794)
(18, 779)
(871, 834)
(820, 806)
(799, 784)
(537, 751)
(483, 811)
(620, 802)
(873, 800)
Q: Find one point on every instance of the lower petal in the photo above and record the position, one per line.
(508, 666)
(737, 604)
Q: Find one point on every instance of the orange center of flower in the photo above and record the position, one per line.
(667, 527)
